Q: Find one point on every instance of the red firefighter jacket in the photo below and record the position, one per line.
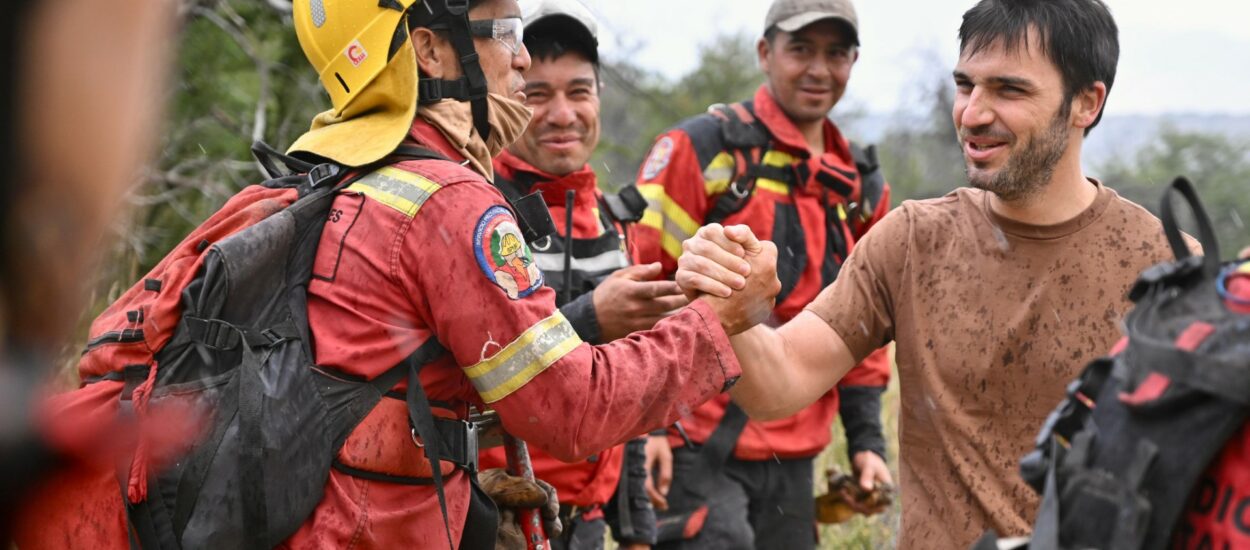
(411, 253)
(419, 257)
(687, 169)
(592, 481)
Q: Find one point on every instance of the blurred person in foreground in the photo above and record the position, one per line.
(995, 294)
(76, 124)
(779, 165)
(602, 294)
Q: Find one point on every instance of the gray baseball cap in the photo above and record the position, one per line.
(792, 15)
(543, 12)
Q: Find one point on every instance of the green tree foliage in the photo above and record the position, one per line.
(1218, 166)
(240, 77)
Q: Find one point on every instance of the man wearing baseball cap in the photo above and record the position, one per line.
(779, 165)
(599, 291)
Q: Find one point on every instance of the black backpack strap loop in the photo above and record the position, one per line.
(266, 156)
(626, 205)
(1206, 235)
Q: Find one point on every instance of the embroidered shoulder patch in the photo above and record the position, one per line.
(658, 159)
(503, 255)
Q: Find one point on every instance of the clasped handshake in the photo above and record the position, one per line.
(734, 272)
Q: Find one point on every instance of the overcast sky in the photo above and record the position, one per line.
(1189, 56)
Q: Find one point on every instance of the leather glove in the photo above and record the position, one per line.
(512, 493)
(846, 498)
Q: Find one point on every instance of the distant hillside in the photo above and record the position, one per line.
(1114, 136)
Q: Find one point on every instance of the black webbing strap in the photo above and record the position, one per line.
(453, 16)
(625, 206)
(422, 419)
(533, 216)
(871, 181)
(266, 155)
(747, 139)
(719, 446)
(1206, 235)
(252, 491)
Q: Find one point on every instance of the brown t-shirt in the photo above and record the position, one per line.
(992, 318)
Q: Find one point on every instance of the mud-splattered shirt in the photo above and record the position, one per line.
(992, 318)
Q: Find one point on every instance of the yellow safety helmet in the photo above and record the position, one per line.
(373, 90)
(365, 60)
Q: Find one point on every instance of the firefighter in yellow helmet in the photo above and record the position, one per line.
(428, 249)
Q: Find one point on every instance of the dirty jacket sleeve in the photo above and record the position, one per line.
(486, 301)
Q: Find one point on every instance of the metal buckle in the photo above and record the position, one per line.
(470, 446)
(737, 191)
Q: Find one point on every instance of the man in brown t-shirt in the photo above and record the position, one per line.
(996, 295)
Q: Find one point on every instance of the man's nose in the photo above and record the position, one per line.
(977, 110)
(560, 111)
(521, 61)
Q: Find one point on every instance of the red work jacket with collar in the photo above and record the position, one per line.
(687, 169)
(416, 254)
(591, 481)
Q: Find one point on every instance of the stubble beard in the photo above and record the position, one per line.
(1028, 171)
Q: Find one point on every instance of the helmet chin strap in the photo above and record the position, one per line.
(453, 16)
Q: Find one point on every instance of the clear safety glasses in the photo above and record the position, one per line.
(510, 31)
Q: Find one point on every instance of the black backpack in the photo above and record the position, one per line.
(231, 336)
(1116, 462)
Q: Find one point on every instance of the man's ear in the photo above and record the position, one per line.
(762, 49)
(1087, 103)
(432, 54)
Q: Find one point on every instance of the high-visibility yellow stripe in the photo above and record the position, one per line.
(667, 217)
(539, 347)
(772, 185)
(398, 189)
(718, 173)
(778, 158)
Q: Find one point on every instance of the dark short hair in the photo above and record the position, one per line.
(555, 36)
(1079, 36)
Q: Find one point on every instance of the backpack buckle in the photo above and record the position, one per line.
(322, 173)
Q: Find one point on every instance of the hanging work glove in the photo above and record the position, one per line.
(512, 493)
(846, 498)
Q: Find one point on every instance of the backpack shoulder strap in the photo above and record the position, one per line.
(871, 181)
(746, 138)
(626, 205)
(740, 129)
(533, 216)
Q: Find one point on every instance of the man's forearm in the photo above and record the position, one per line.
(765, 385)
(786, 369)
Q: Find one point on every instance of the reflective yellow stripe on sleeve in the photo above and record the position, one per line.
(664, 215)
(398, 189)
(539, 347)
